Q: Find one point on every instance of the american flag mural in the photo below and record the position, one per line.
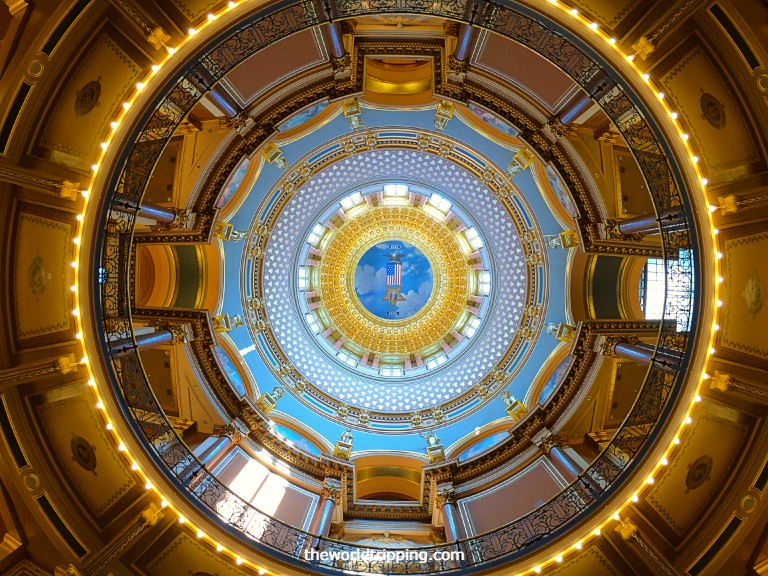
(394, 273)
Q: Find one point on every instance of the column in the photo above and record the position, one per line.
(574, 107)
(650, 224)
(464, 44)
(209, 458)
(171, 333)
(553, 447)
(223, 101)
(148, 210)
(644, 353)
(323, 517)
(216, 94)
(336, 46)
(216, 452)
(454, 527)
(158, 213)
(579, 103)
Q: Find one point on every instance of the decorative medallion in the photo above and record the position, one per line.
(37, 276)
(83, 454)
(87, 98)
(698, 473)
(712, 110)
(32, 482)
(754, 293)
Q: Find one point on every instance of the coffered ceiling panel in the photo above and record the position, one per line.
(709, 451)
(266, 68)
(79, 442)
(711, 112)
(524, 68)
(93, 91)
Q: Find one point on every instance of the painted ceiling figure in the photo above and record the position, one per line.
(394, 280)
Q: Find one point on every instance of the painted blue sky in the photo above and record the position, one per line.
(370, 279)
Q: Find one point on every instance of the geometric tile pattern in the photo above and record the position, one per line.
(501, 227)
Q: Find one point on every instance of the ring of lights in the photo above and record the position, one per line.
(541, 546)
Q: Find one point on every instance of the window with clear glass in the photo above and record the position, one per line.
(313, 323)
(397, 190)
(652, 282)
(471, 327)
(484, 283)
(347, 358)
(303, 278)
(435, 361)
(316, 234)
(391, 371)
(440, 203)
(473, 238)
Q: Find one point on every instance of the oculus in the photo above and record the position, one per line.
(393, 280)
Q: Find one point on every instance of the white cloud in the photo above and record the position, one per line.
(368, 278)
(414, 301)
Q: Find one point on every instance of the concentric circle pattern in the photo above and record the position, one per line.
(430, 323)
(327, 338)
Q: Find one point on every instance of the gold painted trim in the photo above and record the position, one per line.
(398, 88)
(550, 365)
(202, 286)
(589, 279)
(173, 271)
(622, 289)
(705, 550)
(15, 431)
(370, 472)
(568, 285)
(222, 281)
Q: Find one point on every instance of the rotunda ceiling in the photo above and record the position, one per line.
(310, 333)
(396, 286)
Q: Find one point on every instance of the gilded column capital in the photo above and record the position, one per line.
(547, 442)
(609, 230)
(181, 332)
(446, 495)
(558, 128)
(342, 67)
(605, 345)
(331, 490)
